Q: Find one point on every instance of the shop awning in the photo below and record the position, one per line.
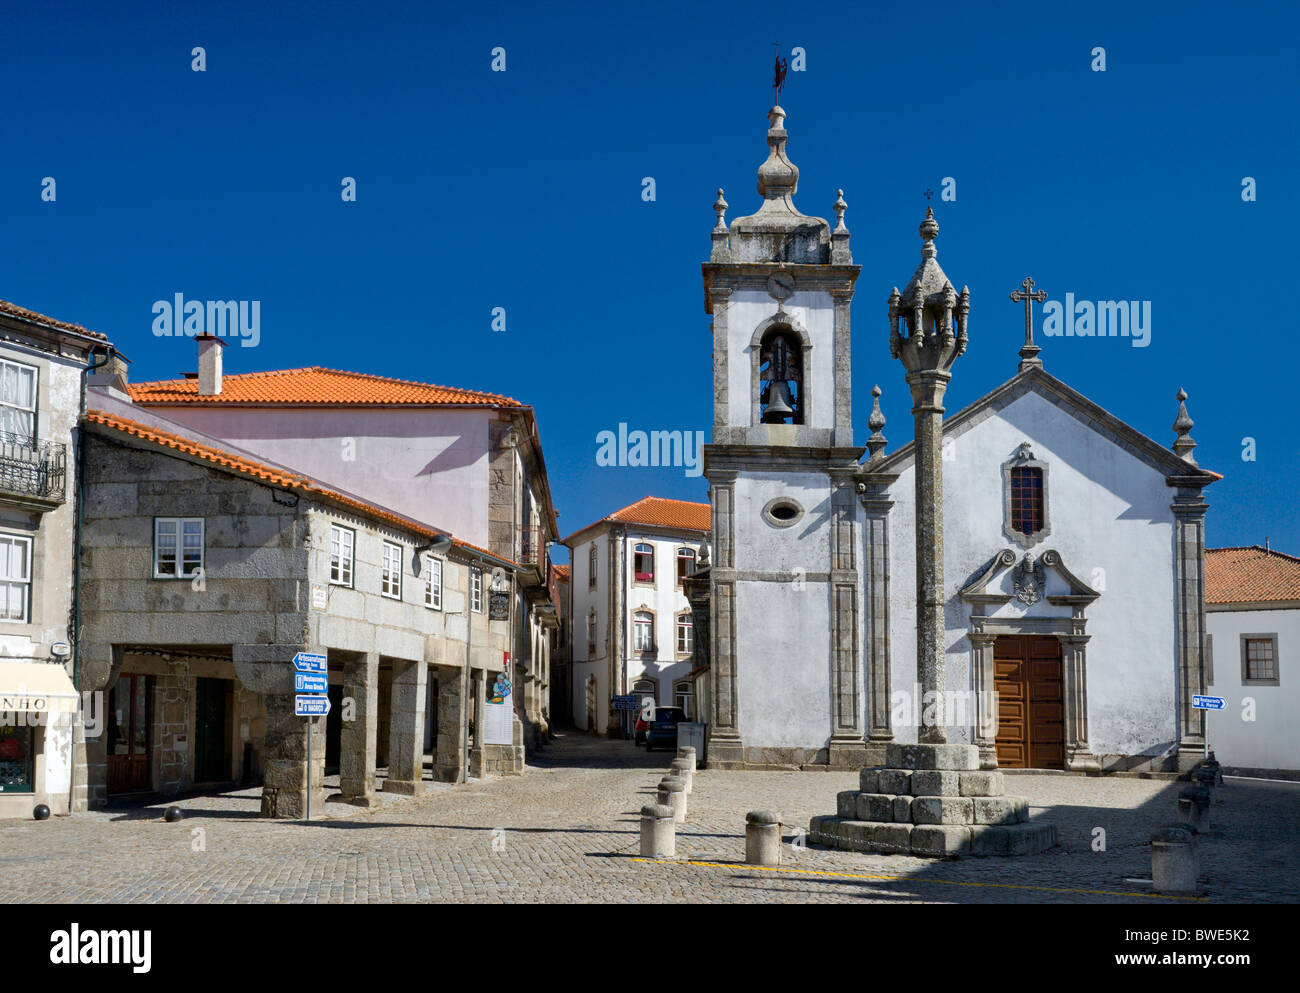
(36, 687)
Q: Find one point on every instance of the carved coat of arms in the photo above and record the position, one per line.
(1029, 580)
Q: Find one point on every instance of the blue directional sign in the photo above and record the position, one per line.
(304, 682)
(1208, 703)
(311, 706)
(307, 662)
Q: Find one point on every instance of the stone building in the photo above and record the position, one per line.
(632, 628)
(1252, 603)
(1071, 615)
(462, 460)
(206, 568)
(42, 361)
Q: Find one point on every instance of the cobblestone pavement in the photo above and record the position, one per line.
(568, 831)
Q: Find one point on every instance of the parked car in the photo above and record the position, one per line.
(663, 729)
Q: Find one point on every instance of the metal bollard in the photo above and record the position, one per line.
(658, 832)
(763, 837)
(672, 793)
(1175, 861)
(687, 752)
(1194, 807)
(682, 770)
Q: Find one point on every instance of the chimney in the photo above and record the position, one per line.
(210, 347)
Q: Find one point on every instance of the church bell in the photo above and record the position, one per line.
(778, 406)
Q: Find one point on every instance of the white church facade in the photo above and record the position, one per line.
(1073, 599)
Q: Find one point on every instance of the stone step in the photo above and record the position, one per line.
(905, 809)
(931, 840)
(930, 782)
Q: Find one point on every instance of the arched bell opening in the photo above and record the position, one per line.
(780, 377)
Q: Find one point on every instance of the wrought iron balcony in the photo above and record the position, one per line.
(533, 556)
(34, 474)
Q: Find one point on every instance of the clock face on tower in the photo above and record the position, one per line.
(780, 286)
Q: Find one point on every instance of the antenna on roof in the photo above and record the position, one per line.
(1266, 543)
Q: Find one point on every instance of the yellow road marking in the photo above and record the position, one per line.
(909, 879)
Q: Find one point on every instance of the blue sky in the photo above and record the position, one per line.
(522, 189)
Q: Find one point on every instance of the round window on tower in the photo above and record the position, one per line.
(782, 512)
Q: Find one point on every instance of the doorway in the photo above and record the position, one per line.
(212, 730)
(1027, 676)
(130, 734)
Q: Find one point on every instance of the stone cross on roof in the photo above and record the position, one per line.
(1029, 353)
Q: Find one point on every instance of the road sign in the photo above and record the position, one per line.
(629, 702)
(311, 706)
(307, 662)
(304, 682)
(1208, 703)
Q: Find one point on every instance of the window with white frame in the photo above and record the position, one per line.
(390, 577)
(342, 545)
(685, 563)
(433, 584)
(685, 634)
(177, 547)
(684, 697)
(476, 590)
(643, 631)
(17, 402)
(643, 563)
(591, 567)
(15, 577)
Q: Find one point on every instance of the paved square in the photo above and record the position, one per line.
(568, 831)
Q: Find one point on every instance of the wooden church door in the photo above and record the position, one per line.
(1028, 678)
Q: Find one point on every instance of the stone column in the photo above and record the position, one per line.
(284, 789)
(725, 745)
(1078, 754)
(928, 387)
(846, 747)
(451, 716)
(1189, 597)
(358, 737)
(880, 729)
(986, 700)
(406, 735)
(719, 297)
(478, 694)
(616, 623)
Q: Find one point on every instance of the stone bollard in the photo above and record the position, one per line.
(1194, 808)
(687, 752)
(658, 832)
(763, 837)
(672, 793)
(1175, 862)
(682, 770)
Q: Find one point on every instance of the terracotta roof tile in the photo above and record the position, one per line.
(661, 512)
(313, 385)
(562, 573)
(13, 310)
(1250, 575)
(268, 474)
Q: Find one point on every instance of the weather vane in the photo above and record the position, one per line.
(781, 65)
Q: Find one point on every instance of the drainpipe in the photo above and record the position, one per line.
(79, 501)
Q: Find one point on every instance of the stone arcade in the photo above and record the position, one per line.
(1060, 625)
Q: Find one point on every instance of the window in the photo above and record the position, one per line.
(643, 563)
(390, 576)
(685, 563)
(17, 403)
(591, 634)
(780, 377)
(342, 542)
(476, 590)
(1259, 660)
(177, 547)
(685, 634)
(684, 697)
(15, 577)
(17, 746)
(643, 628)
(1026, 499)
(433, 584)
(591, 567)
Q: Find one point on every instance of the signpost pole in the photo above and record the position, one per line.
(309, 720)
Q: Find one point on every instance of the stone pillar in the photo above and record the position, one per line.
(846, 747)
(842, 434)
(1189, 598)
(928, 387)
(406, 737)
(617, 622)
(284, 789)
(880, 729)
(358, 737)
(986, 701)
(725, 745)
(477, 691)
(719, 297)
(1078, 753)
(451, 717)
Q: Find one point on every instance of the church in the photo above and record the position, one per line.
(1061, 610)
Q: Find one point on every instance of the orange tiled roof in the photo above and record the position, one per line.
(13, 310)
(313, 385)
(562, 573)
(1250, 575)
(664, 513)
(268, 474)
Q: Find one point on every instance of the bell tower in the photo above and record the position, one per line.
(778, 285)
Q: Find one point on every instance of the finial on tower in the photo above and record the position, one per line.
(1183, 444)
(721, 236)
(840, 254)
(876, 443)
(929, 231)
